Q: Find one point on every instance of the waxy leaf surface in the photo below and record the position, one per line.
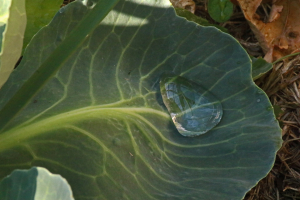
(101, 122)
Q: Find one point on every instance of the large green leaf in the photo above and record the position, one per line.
(260, 67)
(220, 10)
(101, 123)
(12, 28)
(34, 184)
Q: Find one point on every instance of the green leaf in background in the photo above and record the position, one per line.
(260, 67)
(39, 14)
(220, 10)
(12, 27)
(199, 20)
(101, 123)
(34, 184)
(4, 13)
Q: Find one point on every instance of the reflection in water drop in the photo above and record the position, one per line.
(193, 109)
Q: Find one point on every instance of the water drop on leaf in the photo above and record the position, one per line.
(193, 110)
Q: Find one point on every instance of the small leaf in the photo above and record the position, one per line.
(36, 183)
(277, 111)
(199, 20)
(259, 67)
(220, 10)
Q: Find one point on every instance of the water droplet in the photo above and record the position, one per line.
(258, 100)
(194, 110)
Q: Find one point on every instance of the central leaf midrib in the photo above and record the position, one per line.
(24, 132)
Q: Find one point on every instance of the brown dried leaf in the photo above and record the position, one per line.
(185, 4)
(280, 36)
